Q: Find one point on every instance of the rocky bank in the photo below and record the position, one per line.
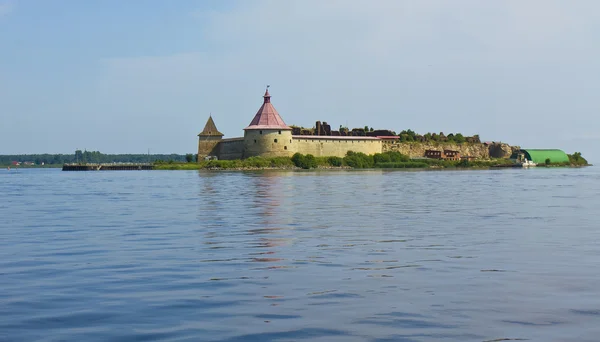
(477, 150)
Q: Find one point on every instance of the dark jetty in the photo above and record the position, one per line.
(107, 167)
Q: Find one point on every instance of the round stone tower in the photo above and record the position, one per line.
(267, 135)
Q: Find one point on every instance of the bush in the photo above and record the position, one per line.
(398, 157)
(256, 162)
(309, 162)
(335, 161)
(547, 161)
(358, 160)
(390, 157)
(463, 163)
(297, 159)
(304, 161)
(281, 162)
(379, 158)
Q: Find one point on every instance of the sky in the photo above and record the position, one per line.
(130, 76)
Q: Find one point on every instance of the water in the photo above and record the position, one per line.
(291, 256)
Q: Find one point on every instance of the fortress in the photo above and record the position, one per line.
(269, 136)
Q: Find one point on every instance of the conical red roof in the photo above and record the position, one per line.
(267, 116)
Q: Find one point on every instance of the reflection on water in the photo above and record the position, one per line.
(282, 256)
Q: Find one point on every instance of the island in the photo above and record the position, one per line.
(269, 143)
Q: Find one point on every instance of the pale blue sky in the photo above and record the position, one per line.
(125, 76)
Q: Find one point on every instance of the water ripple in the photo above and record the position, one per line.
(502, 255)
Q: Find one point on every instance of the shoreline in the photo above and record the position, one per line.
(347, 168)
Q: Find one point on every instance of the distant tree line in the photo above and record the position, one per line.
(90, 157)
(410, 135)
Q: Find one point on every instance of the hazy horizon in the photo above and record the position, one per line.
(121, 77)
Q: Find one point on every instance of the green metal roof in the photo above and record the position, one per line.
(540, 156)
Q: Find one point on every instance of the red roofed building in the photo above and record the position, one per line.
(267, 134)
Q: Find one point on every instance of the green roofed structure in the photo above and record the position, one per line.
(539, 156)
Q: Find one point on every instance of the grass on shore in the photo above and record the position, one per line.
(353, 160)
(388, 160)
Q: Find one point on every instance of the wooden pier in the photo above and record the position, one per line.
(107, 167)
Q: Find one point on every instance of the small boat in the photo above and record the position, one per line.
(521, 161)
(527, 163)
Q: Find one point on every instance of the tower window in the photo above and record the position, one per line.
(285, 147)
(260, 132)
(279, 132)
(275, 140)
(290, 141)
(255, 141)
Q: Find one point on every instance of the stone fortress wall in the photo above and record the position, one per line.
(320, 146)
(286, 145)
(268, 136)
(324, 146)
(229, 149)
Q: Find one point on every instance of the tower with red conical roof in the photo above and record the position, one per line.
(267, 135)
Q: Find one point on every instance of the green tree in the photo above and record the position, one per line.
(189, 157)
(547, 161)
(459, 138)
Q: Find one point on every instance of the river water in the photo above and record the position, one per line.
(292, 256)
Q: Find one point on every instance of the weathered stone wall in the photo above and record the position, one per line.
(268, 143)
(256, 144)
(208, 146)
(477, 150)
(501, 150)
(326, 146)
(229, 149)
